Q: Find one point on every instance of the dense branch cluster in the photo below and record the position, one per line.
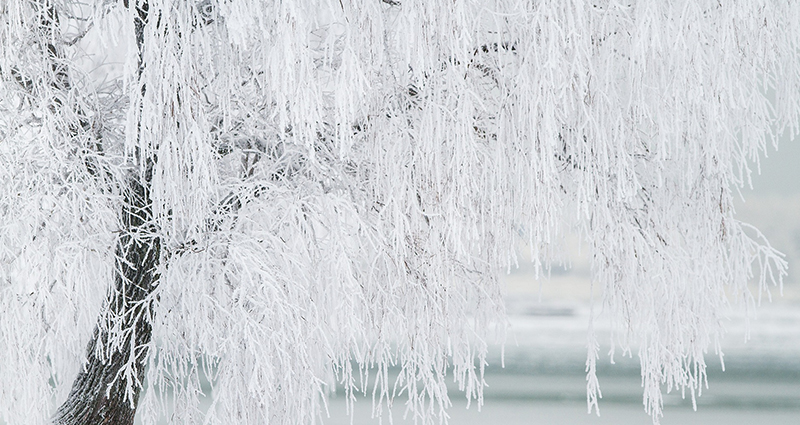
(321, 189)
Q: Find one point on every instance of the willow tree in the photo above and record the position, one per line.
(301, 194)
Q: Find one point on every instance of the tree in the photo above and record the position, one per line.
(286, 195)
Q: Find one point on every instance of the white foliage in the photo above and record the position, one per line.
(337, 184)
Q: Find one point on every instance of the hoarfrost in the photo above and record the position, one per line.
(335, 185)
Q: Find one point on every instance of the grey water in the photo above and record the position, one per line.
(543, 381)
(751, 391)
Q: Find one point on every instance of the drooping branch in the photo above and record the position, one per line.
(79, 126)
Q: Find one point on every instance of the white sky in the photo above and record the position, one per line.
(780, 171)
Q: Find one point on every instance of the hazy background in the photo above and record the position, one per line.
(544, 379)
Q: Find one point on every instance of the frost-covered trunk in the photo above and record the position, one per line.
(117, 353)
(106, 391)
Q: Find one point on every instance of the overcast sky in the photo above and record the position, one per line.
(780, 171)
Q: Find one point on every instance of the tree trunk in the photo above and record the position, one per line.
(106, 391)
(99, 394)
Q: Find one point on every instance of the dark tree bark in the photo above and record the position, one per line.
(98, 394)
(107, 389)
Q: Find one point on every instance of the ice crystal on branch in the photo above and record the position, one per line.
(288, 194)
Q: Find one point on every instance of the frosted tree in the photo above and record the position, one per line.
(286, 196)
